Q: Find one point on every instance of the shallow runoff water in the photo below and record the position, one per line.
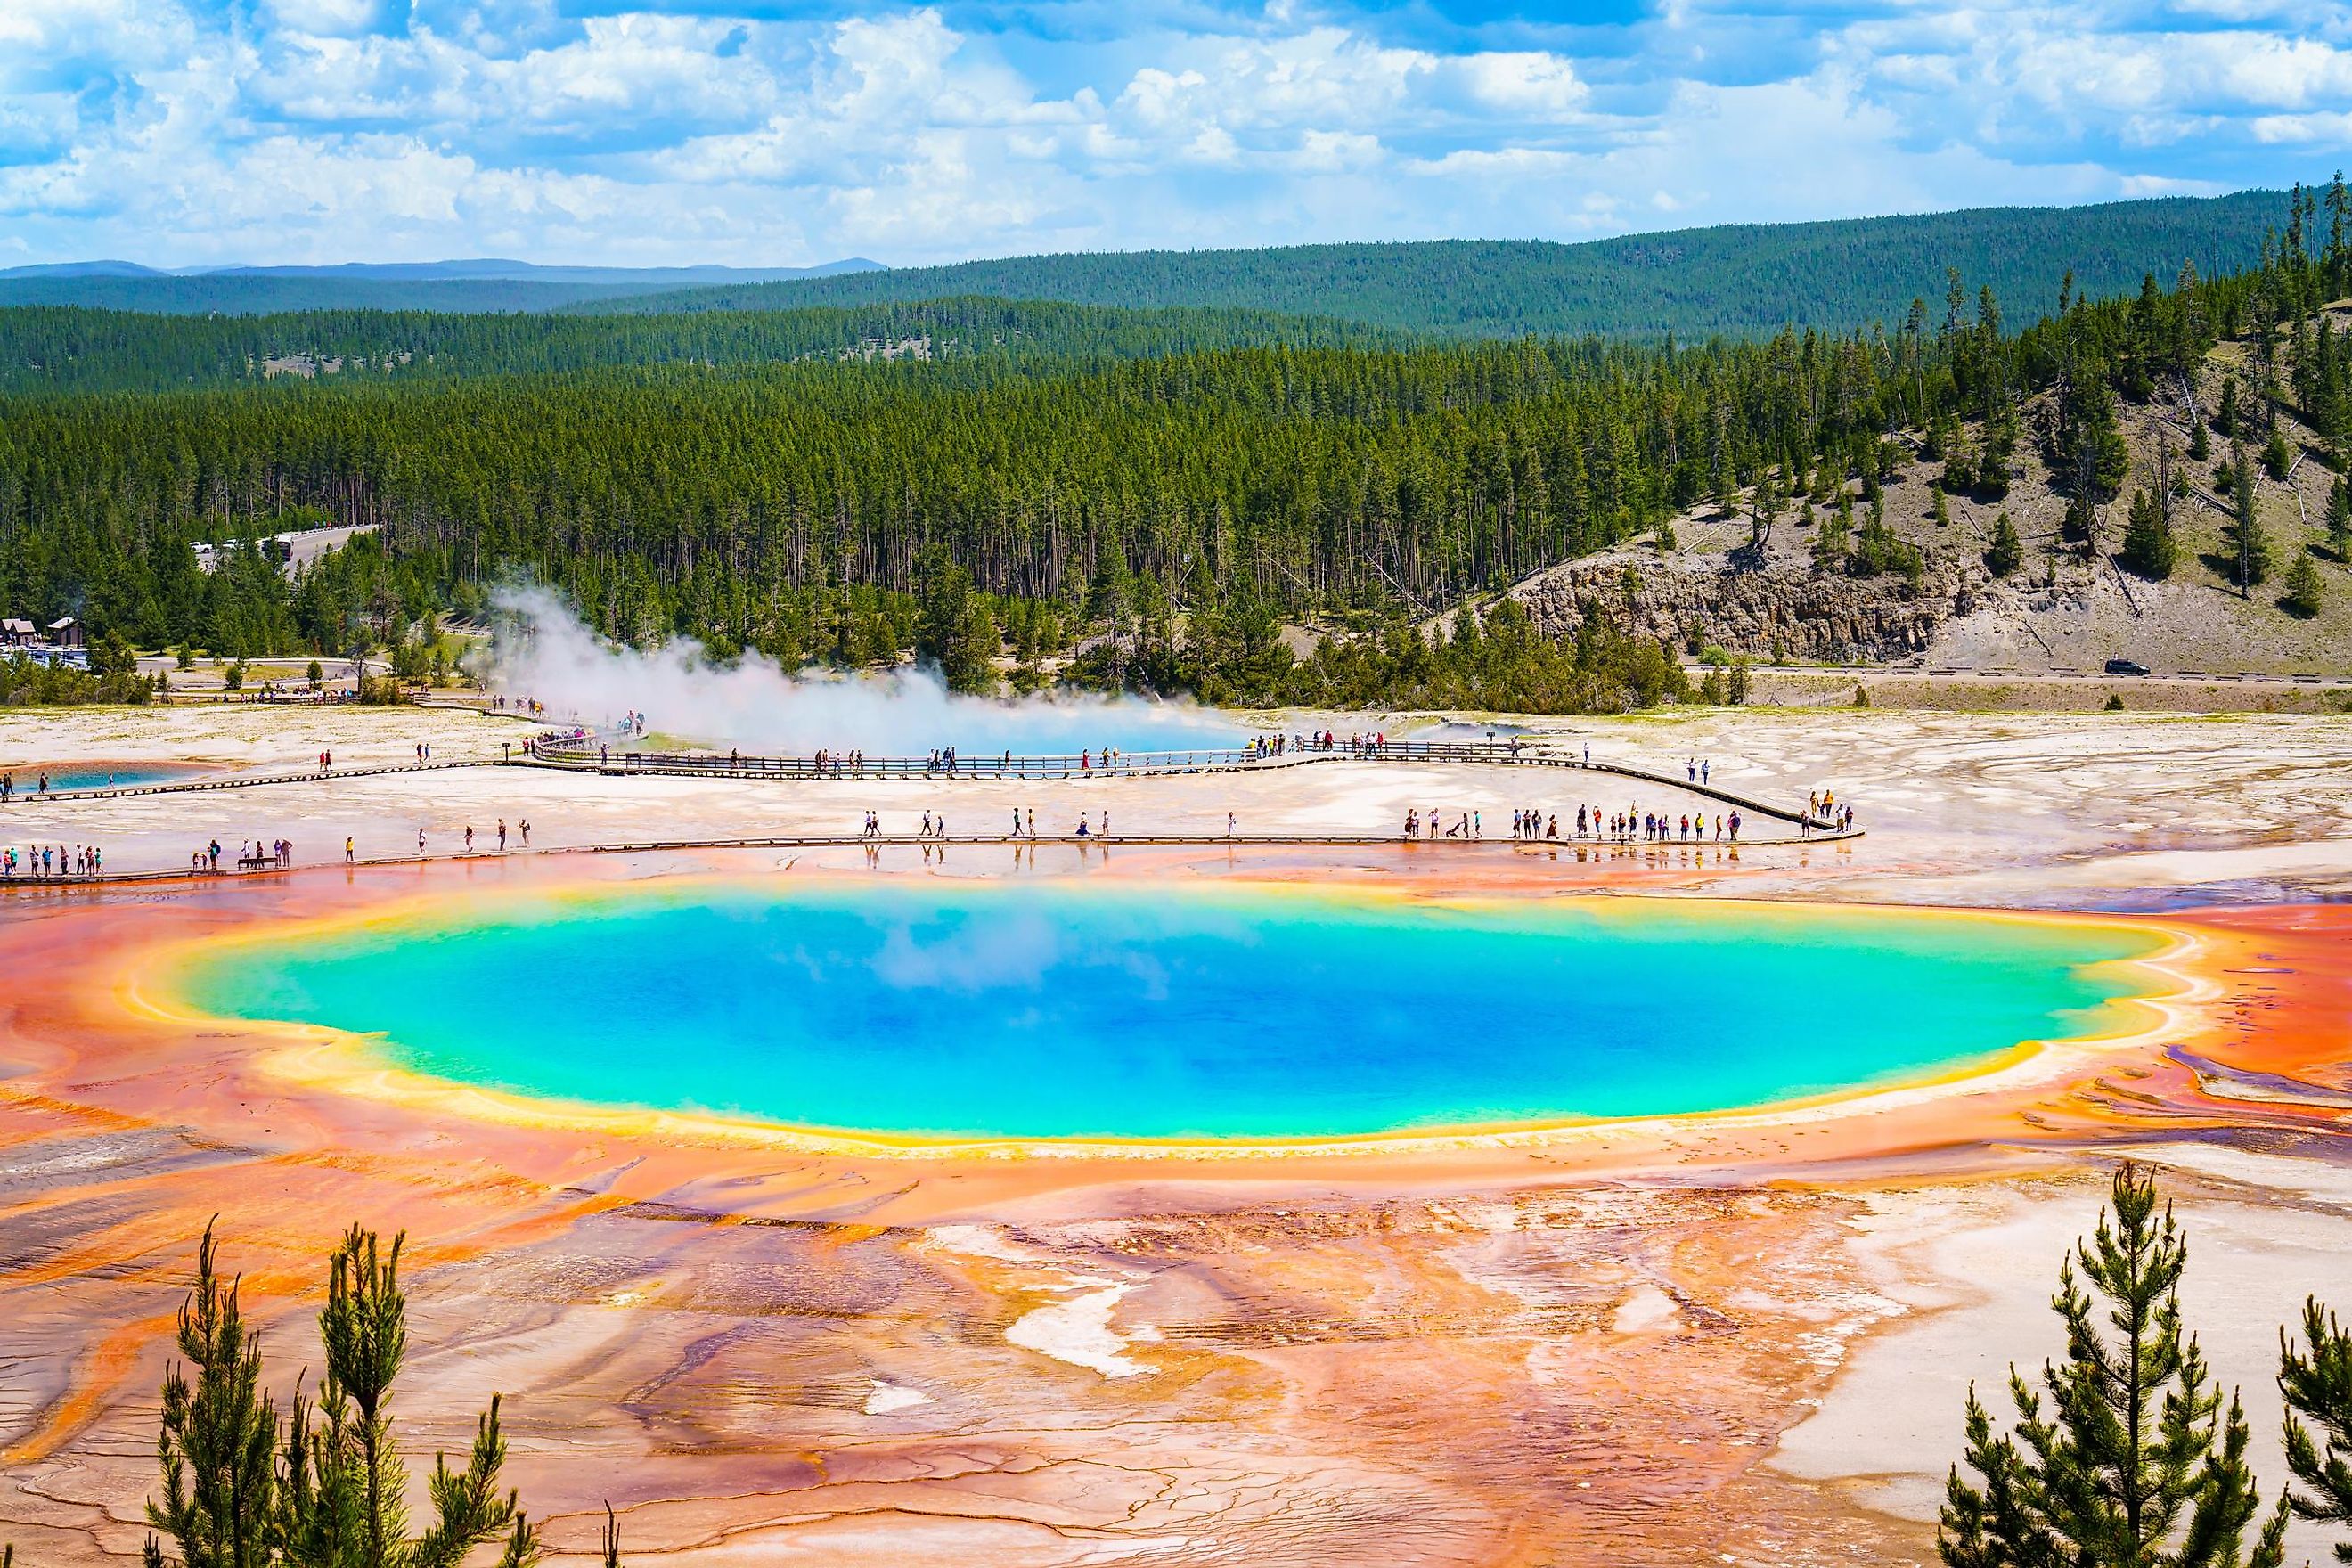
(1067, 1010)
(28, 776)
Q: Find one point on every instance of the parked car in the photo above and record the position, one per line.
(2124, 666)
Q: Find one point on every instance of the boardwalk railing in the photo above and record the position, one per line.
(1653, 851)
(1144, 764)
(571, 751)
(22, 796)
(1023, 765)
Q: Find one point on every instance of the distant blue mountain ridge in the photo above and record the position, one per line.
(480, 284)
(479, 267)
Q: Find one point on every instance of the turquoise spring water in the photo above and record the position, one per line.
(1066, 1010)
(28, 776)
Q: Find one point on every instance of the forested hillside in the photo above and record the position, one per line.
(841, 512)
(1745, 280)
(74, 350)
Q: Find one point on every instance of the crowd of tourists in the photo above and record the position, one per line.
(53, 860)
(1824, 809)
(1588, 825)
(1329, 741)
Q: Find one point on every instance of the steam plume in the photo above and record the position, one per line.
(542, 651)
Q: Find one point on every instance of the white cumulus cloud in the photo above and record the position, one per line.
(630, 130)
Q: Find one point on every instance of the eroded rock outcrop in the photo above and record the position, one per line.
(1789, 611)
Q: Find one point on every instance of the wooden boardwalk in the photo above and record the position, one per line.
(1003, 768)
(1661, 850)
(1146, 764)
(237, 780)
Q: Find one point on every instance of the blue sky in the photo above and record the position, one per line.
(791, 131)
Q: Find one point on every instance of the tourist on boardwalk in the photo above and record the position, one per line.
(524, 828)
(349, 852)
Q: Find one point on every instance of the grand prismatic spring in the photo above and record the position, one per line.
(1111, 1013)
(1280, 1191)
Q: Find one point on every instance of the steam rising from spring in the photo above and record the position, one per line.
(544, 652)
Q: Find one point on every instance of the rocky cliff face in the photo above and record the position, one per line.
(1783, 609)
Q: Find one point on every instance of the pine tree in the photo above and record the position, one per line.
(2302, 593)
(945, 594)
(2339, 519)
(2277, 456)
(970, 665)
(343, 1479)
(2243, 544)
(2125, 1457)
(1763, 508)
(1830, 545)
(2318, 1388)
(2149, 547)
(2006, 554)
(218, 1442)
